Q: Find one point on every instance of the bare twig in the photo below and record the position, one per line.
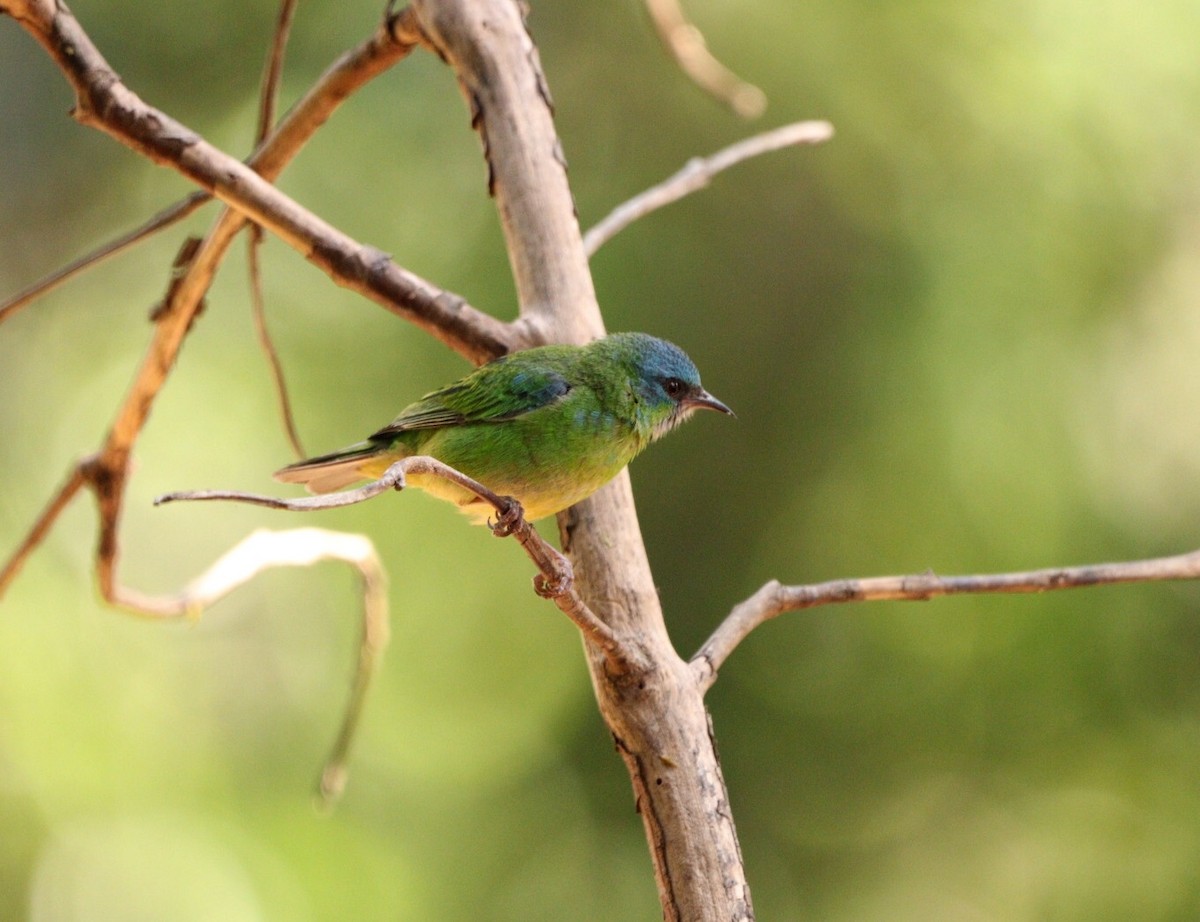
(555, 577)
(41, 526)
(273, 70)
(698, 173)
(686, 43)
(774, 599)
(165, 218)
(269, 93)
(258, 310)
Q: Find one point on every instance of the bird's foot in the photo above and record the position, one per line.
(509, 518)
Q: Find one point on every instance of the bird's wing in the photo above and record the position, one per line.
(493, 393)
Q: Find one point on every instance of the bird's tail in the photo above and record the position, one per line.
(327, 473)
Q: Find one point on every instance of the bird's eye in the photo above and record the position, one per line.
(674, 387)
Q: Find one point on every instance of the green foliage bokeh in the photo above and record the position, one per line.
(960, 336)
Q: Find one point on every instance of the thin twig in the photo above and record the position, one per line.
(268, 95)
(273, 70)
(555, 577)
(774, 599)
(41, 526)
(258, 310)
(698, 173)
(173, 214)
(686, 43)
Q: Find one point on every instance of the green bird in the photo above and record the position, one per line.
(548, 426)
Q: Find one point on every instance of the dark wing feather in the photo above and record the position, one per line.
(495, 392)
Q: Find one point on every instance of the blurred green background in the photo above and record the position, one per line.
(961, 336)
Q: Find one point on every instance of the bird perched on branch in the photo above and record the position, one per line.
(548, 426)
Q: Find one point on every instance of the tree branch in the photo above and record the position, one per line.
(105, 103)
(654, 710)
(106, 471)
(697, 173)
(686, 44)
(774, 599)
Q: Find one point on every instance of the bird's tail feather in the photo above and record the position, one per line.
(327, 473)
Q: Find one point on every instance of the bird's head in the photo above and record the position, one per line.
(666, 383)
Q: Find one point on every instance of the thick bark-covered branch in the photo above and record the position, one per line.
(105, 103)
(656, 711)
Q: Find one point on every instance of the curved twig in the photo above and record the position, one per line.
(774, 599)
(698, 173)
(302, 547)
(686, 44)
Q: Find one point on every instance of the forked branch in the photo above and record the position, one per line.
(774, 599)
(106, 471)
(105, 103)
(555, 577)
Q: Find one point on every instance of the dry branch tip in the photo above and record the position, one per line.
(698, 172)
(773, 598)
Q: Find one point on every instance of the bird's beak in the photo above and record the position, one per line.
(705, 401)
